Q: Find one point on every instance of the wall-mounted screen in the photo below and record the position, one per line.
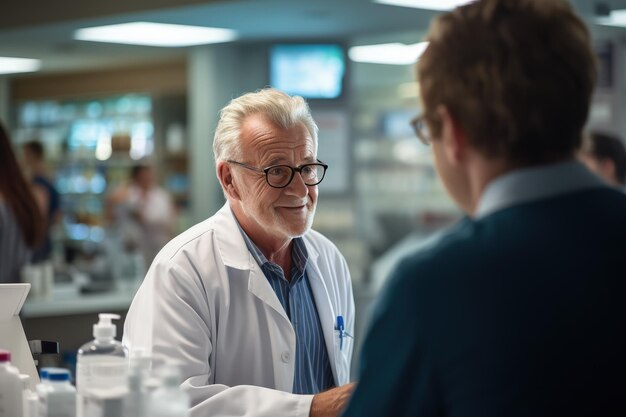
(313, 71)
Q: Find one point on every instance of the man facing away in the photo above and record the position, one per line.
(248, 301)
(518, 310)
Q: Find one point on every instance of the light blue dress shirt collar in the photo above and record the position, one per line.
(299, 254)
(535, 183)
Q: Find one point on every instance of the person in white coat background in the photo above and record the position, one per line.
(255, 307)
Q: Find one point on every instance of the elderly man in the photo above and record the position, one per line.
(256, 307)
(518, 310)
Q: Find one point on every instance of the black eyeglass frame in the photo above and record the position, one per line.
(298, 169)
(418, 123)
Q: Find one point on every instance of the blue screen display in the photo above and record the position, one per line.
(309, 70)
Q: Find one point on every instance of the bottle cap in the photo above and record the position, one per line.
(44, 373)
(105, 329)
(59, 375)
(5, 355)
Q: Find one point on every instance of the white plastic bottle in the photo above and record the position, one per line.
(169, 400)
(61, 395)
(10, 387)
(136, 399)
(101, 364)
(41, 390)
(30, 401)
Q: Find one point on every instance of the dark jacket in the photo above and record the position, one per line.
(521, 313)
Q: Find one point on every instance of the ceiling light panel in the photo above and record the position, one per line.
(426, 4)
(156, 34)
(14, 65)
(616, 18)
(388, 53)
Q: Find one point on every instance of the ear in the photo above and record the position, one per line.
(607, 167)
(225, 176)
(453, 137)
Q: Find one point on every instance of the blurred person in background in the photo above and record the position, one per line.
(22, 224)
(35, 165)
(255, 306)
(605, 155)
(143, 213)
(518, 309)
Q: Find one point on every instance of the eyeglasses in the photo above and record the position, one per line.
(421, 129)
(280, 176)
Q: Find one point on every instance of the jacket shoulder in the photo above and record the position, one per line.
(199, 233)
(441, 257)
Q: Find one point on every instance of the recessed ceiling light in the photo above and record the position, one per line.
(155, 34)
(15, 65)
(388, 53)
(426, 4)
(616, 18)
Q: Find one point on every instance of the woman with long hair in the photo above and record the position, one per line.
(22, 225)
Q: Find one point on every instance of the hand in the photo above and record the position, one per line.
(331, 403)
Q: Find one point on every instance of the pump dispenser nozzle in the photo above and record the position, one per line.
(105, 329)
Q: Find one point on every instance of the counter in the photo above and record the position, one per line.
(68, 317)
(63, 303)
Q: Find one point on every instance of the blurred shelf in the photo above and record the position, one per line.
(62, 305)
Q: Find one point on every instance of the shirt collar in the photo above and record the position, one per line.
(535, 183)
(299, 254)
(254, 249)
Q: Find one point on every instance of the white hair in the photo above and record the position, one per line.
(280, 108)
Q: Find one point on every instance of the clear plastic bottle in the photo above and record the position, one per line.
(169, 400)
(136, 399)
(141, 362)
(102, 363)
(10, 387)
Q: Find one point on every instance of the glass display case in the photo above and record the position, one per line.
(90, 147)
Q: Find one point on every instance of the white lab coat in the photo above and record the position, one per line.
(206, 304)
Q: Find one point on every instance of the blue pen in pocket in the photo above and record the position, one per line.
(340, 327)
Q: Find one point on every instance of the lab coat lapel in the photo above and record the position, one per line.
(235, 254)
(325, 308)
(261, 288)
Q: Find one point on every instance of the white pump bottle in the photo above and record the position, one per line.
(101, 364)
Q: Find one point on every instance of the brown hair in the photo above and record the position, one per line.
(517, 75)
(17, 193)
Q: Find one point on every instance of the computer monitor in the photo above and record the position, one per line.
(313, 71)
(12, 336)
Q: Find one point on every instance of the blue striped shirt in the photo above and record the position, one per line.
(313, 373)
